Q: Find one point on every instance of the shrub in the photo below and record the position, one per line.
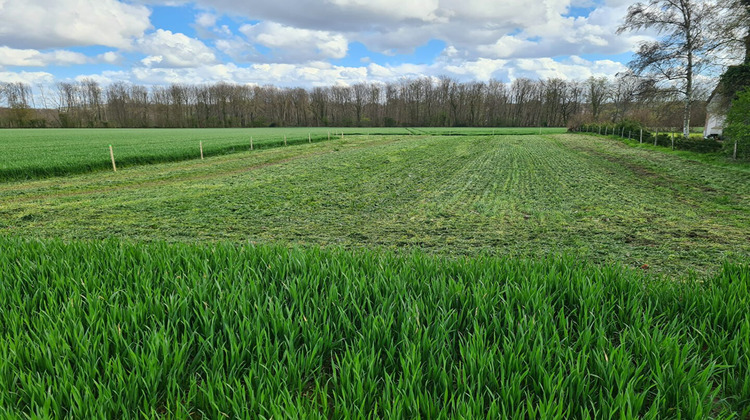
(737, 131)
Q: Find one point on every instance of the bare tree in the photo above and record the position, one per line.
(686, 47)
(598, 91)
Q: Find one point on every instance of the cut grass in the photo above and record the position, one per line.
(526, 196)
(133, 330)
(31, 154)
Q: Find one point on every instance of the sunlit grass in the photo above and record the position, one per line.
(113, 329)
(52, 152)
(526, 196)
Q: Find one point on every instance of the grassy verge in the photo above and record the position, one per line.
(102, 330)
(712, 158)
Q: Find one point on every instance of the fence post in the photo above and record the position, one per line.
(656, 137)
(200, 143)
(114, 167)
(251, 142)
(309, 139)
(284, 139)
(673, 140)
(641, 134)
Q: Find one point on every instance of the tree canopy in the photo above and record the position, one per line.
(686, 46)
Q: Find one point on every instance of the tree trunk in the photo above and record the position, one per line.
(688, 91)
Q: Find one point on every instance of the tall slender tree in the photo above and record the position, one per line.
(686, 47)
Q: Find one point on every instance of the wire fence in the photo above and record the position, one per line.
(671, 138)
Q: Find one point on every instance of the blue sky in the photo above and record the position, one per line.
(309, 43)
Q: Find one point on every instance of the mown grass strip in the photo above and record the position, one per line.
(113, 329)
(508, 195)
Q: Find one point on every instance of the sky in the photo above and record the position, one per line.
(308, 43)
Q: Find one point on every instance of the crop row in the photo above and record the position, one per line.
(121, 329)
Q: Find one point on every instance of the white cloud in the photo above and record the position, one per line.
(35, 58)
(320, 73)
(294, 44)
(574, 68)
(167, 49)
(498, 28)
(421, 10)
(206, 20)
(109, 57)
(62, 23)
(30, 78)
(278, 74)
(291, 42)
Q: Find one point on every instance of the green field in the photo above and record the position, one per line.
(120, 330)
(42, 153)
(417, 273)
(508, 195)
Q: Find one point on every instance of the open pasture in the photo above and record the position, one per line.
(525, 196)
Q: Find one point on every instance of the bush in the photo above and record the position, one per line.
(737, 131)
(632, 129)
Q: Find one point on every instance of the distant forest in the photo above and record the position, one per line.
(425, 102)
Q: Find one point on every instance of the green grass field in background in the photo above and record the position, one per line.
(39, 153)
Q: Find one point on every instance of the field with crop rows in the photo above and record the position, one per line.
(42, 153)
(510, 195)
(417, 273)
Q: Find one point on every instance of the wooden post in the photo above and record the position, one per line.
(284, 139)
(656, 137)
(606, 129)
(672, 140)
(342, 135)
(112, 155)
(201, 146)
(623, 132)
(734, 155)
(641, 135)
(309, 139)
(251, 142)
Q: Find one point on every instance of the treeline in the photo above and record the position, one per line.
(425, 102)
